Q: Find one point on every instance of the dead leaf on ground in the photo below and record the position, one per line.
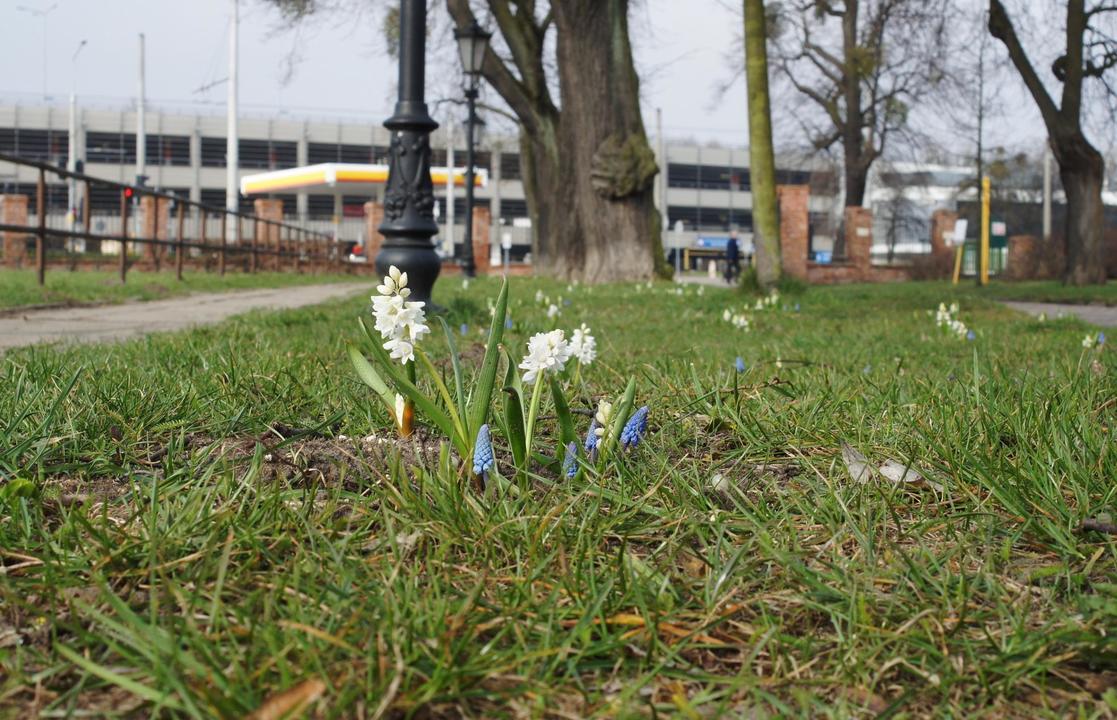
(289, 703)
(861, 470)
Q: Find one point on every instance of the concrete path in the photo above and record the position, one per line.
(1094, 314)
(118, 322)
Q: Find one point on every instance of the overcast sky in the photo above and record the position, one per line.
(684, 49)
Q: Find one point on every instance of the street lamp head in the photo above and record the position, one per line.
(477, 130)
(472, 43)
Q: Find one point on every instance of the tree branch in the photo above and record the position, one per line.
(1000, 27)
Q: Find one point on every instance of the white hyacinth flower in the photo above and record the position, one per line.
(1089, 341)
(726, 315)
(400, 322)
(583, 345)
(602, 417)
(553, 311)
(545, 352)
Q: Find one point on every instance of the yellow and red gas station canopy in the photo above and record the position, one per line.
(332, 178)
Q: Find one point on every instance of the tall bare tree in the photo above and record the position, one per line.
(588, 168)
(565, 69)
(1090, 53)
(863, 64)
(762, 156)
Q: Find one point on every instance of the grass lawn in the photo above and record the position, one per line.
(20, 287)
(212, 526)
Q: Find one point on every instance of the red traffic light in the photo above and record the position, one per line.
(127, 192)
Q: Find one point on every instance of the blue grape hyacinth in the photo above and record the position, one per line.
(635, 428)
(483, 460)
(592, 439)
(570, 461)
(739, 364)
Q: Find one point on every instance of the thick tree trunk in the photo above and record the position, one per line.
(1082, 169)
(591, 185)
(762, 170)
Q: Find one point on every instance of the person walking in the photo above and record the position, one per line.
(732, 259)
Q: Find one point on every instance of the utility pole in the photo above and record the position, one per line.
(448, 246)
(72, 149)
(1047, 191)
(232, 158)
(141, 128)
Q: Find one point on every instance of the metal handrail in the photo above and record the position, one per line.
(327, 246)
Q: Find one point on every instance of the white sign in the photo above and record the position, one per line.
(959, 235)
(506, 240)
(862, 232)
(999, 228)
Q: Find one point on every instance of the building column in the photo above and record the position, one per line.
(302, 155)
(196, 163)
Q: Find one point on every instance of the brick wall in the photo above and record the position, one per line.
(268, 236)
(154, 217)
(794, 229)
(942, 225)
(482, 221)
(859, 236)
(374, 215)
(13, 211)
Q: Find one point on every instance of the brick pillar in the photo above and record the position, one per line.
(374, 215)
(13, 211)
(269, 209)
(942, 225)
(154, 218)
(1022, 257)
(482, 221)
(859, 237)
(794, 229)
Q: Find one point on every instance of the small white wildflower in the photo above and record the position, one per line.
(465, 283)
(726, 315)
(779, 363)
(545, 352)
(1089, 341)
(553, 311)
(583, 345)
(539, 296)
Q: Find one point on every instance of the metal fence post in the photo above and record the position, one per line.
(178, 239)
(41, 233)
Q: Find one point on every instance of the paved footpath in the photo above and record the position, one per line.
(128, 320)
(1094, 314)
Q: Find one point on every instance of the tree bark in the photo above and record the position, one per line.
(1082, 170)
(762, 161)
(1081, 166)
(592, 189)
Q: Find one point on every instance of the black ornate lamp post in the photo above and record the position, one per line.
(409, 196)
(472, 43)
